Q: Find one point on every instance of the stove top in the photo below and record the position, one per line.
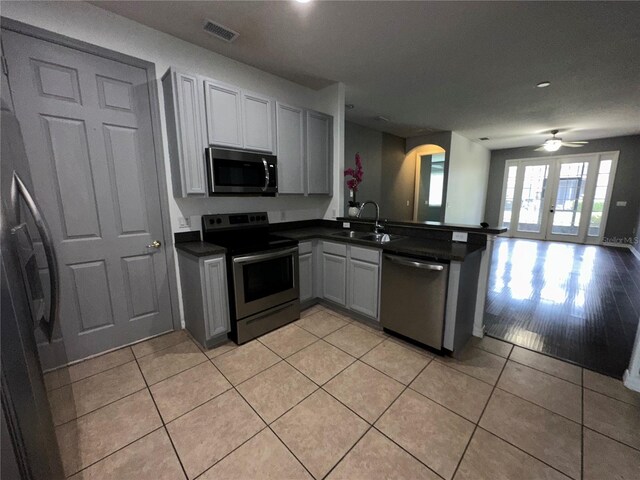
(242, 233)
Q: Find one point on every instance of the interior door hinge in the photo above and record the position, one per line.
(5, 68)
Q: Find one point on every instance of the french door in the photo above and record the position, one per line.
(563, 198)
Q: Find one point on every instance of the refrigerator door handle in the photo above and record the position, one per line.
(18, 188)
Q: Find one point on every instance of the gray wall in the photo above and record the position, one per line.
(369, 144)
(622, 221)
(386, 180)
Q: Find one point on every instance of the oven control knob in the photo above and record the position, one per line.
(252, 218)
(218, 220)
(264, 217)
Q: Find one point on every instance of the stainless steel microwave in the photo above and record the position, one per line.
(233, 172)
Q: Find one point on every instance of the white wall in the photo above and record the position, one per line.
(467, 183)
(94, 25)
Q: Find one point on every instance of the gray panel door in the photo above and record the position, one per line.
(86, 121)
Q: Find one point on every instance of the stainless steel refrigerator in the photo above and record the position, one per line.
(29, 447)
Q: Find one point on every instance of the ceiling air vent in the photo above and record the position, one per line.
(220, 31)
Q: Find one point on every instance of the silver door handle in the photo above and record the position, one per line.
(154, 244)
(266, 175)
(266, 256)
(19, 188)
(414, 264)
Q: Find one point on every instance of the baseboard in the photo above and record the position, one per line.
(632, 382)
(616, 244)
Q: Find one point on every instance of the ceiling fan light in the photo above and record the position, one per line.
(552, 145)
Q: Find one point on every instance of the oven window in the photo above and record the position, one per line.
(262, 279)
(234, 173)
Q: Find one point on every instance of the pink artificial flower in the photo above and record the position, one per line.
(356, 175)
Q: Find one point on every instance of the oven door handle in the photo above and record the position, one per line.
(265, 256)
(266, 175)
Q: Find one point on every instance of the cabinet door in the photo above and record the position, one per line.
(215, 297)
(290, 130)
(223, 105)
(334, 278)
(319, 153)
(363, 287)
(306, 276)
(257, 114)
(189, 135)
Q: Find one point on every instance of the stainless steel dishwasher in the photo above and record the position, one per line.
(413, 298)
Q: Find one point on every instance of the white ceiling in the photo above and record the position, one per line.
(470, 67)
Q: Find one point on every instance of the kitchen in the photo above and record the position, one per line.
(334, 370)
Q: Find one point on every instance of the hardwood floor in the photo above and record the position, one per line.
(580, 303)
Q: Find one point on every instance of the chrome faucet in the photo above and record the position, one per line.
(376, 227)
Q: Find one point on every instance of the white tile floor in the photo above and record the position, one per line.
(328, 397)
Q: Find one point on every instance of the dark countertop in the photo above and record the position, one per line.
(417, 247)
(450, 227)
(200, 249)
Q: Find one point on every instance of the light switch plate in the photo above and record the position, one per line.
(459, 236)
(622, 203)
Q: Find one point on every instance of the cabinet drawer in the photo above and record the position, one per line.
(304, 247)
(365, 254)
(335, 248)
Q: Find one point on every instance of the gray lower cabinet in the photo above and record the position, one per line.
(305, 262)
(204, 297)
(351, 277)
(334, 278)
(183, 100)
(363, 287)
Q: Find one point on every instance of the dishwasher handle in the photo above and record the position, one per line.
(412, 263)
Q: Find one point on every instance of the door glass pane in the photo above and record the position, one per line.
(533, 188)
(509, 194)
(602, 183)
(569, 199)
(268, 277)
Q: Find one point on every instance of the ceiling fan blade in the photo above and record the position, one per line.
(540, 149)
(571, 145)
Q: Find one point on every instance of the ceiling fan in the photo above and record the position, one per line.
(553, 144)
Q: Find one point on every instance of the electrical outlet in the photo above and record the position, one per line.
(346, 225)
(621, 204)
(283, 215)
(183, 222)
(333, 213)
(459, 237)
(407, 203)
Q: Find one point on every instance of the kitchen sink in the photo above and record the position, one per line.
(379, 237)
(366, 236)
(350, 234)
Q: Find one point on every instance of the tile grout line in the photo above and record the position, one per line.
(372, 426)
(475, 427)
(611, 438)
(258, 415)
(164, 425)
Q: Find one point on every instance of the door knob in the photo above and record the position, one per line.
(154, 244)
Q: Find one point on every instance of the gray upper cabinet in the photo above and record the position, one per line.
(183, 105)
(223, 105)
(291, 154)
(319, 152)
(257, 114)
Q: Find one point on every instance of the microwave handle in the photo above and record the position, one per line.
(266, 175)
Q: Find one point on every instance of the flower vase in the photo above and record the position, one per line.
(353, 211)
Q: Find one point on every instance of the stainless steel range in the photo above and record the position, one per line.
(262, 272)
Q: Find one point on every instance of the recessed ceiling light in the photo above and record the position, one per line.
(483, 138)
(543, 84)
(303, 1)
(349, 106)
(380, 118)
